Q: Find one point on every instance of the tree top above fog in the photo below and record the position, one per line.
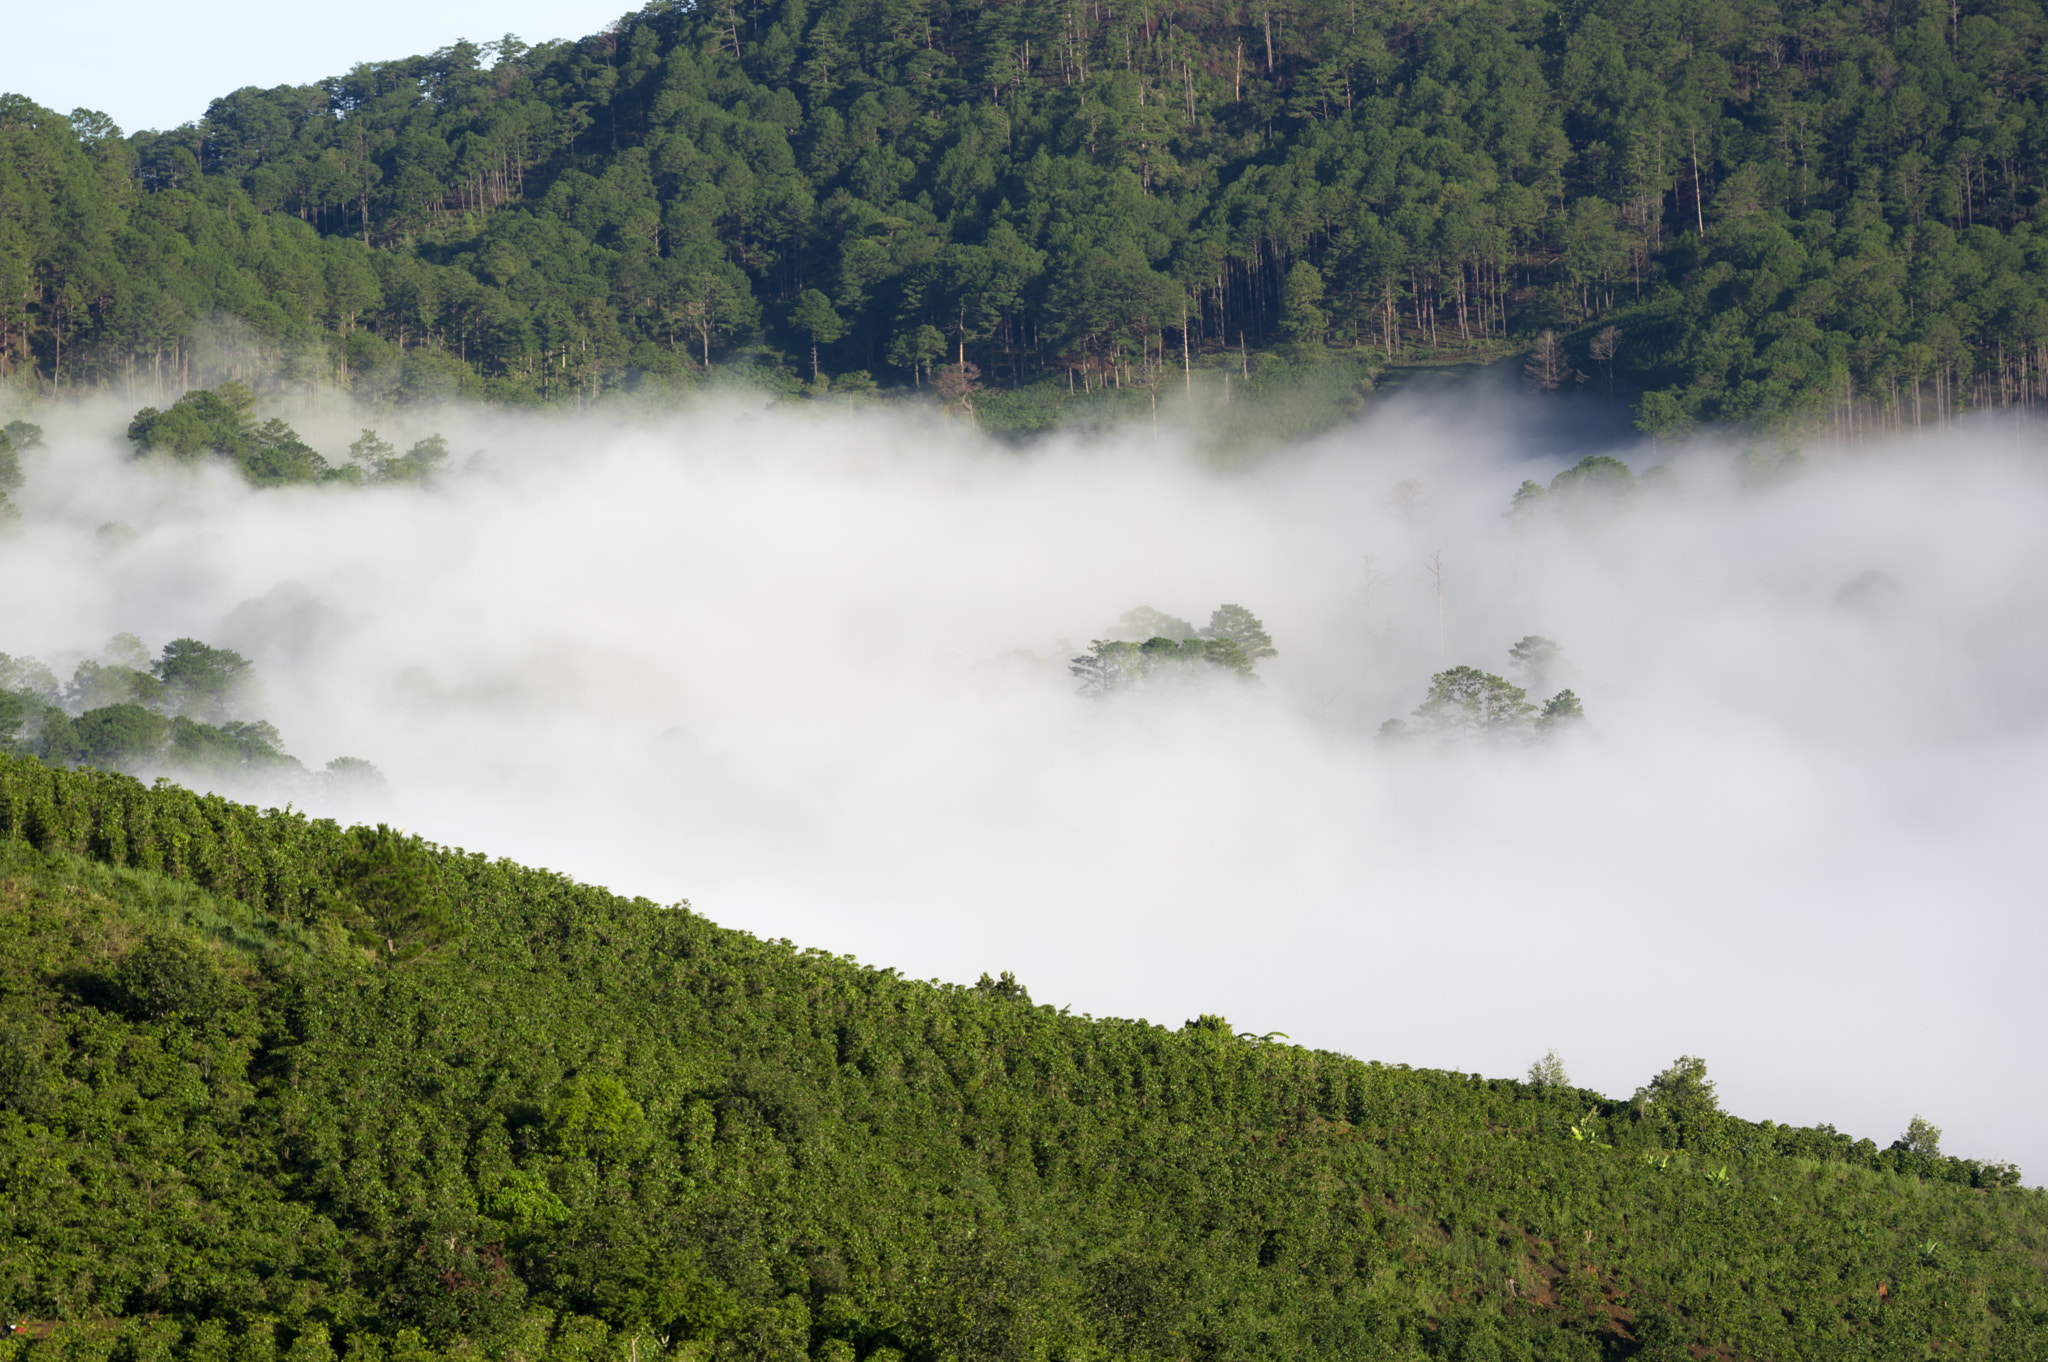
(1149, 648)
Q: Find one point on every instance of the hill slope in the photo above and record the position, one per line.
(273, 1088)
(1792, 210)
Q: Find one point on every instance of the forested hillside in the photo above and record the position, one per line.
(271, 1089)
(1787, 210)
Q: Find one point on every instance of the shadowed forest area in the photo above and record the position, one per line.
(1785, 213)
(275, 1089)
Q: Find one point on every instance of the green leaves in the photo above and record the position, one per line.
(222, 421)
(15, 438)
(1465, 702)
(594, 1118)
(1302, 321)
(166, 976)
(812, 314)
(115, 737)
(201, 679)
(1922, 1137)
(605, 1130)
(1056, 196)
(1155, 648)
(1467, 705)
(400, 891)
(522, 1201)
(1240, 628)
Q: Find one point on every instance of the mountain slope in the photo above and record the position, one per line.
(273, 1087)
(1792, 211)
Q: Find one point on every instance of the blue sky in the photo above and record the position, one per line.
(151, 65)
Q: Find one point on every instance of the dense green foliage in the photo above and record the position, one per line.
(1755, 210)
(182, 713)
(221, 422)
(1467, 704)
(15, 437)
(538, 1121)
(1150, 648)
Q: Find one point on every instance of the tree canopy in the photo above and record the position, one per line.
(275, 1090)
(183, 712)
(1791, 212)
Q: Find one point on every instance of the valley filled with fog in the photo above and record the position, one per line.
(811, 672)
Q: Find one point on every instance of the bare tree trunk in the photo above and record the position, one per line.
(1187, 366)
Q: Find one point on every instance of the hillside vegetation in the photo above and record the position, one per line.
(1790, 212)
(275, 1089)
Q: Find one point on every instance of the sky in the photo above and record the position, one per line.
(809, 672)
(150, 65)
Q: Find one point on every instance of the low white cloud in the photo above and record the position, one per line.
(810, 675)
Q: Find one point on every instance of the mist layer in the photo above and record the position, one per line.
(812, 676)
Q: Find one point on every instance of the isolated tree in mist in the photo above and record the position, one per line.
(222, 421)
(1114, 665)
(1221, 654)
(1528, 499)
(234, 746)
(372, 451)
(126, 650)
(1407, 497)
(201, 679)
(273, 455)
(94, 684)
(1145, 622)
(1536, 658)
(380, 460)
(1595, 471)
(1596, 482)
(202, 421)
(28, 676)
(1239, 626)
(23, 435)
(1759, 468)
(1548, 1072)
(1465, 702)
(1109, 666)
(1561, 711)
(420, 462)
(10, 466)
(353, 772)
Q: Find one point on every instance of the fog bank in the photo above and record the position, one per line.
(810, 674)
